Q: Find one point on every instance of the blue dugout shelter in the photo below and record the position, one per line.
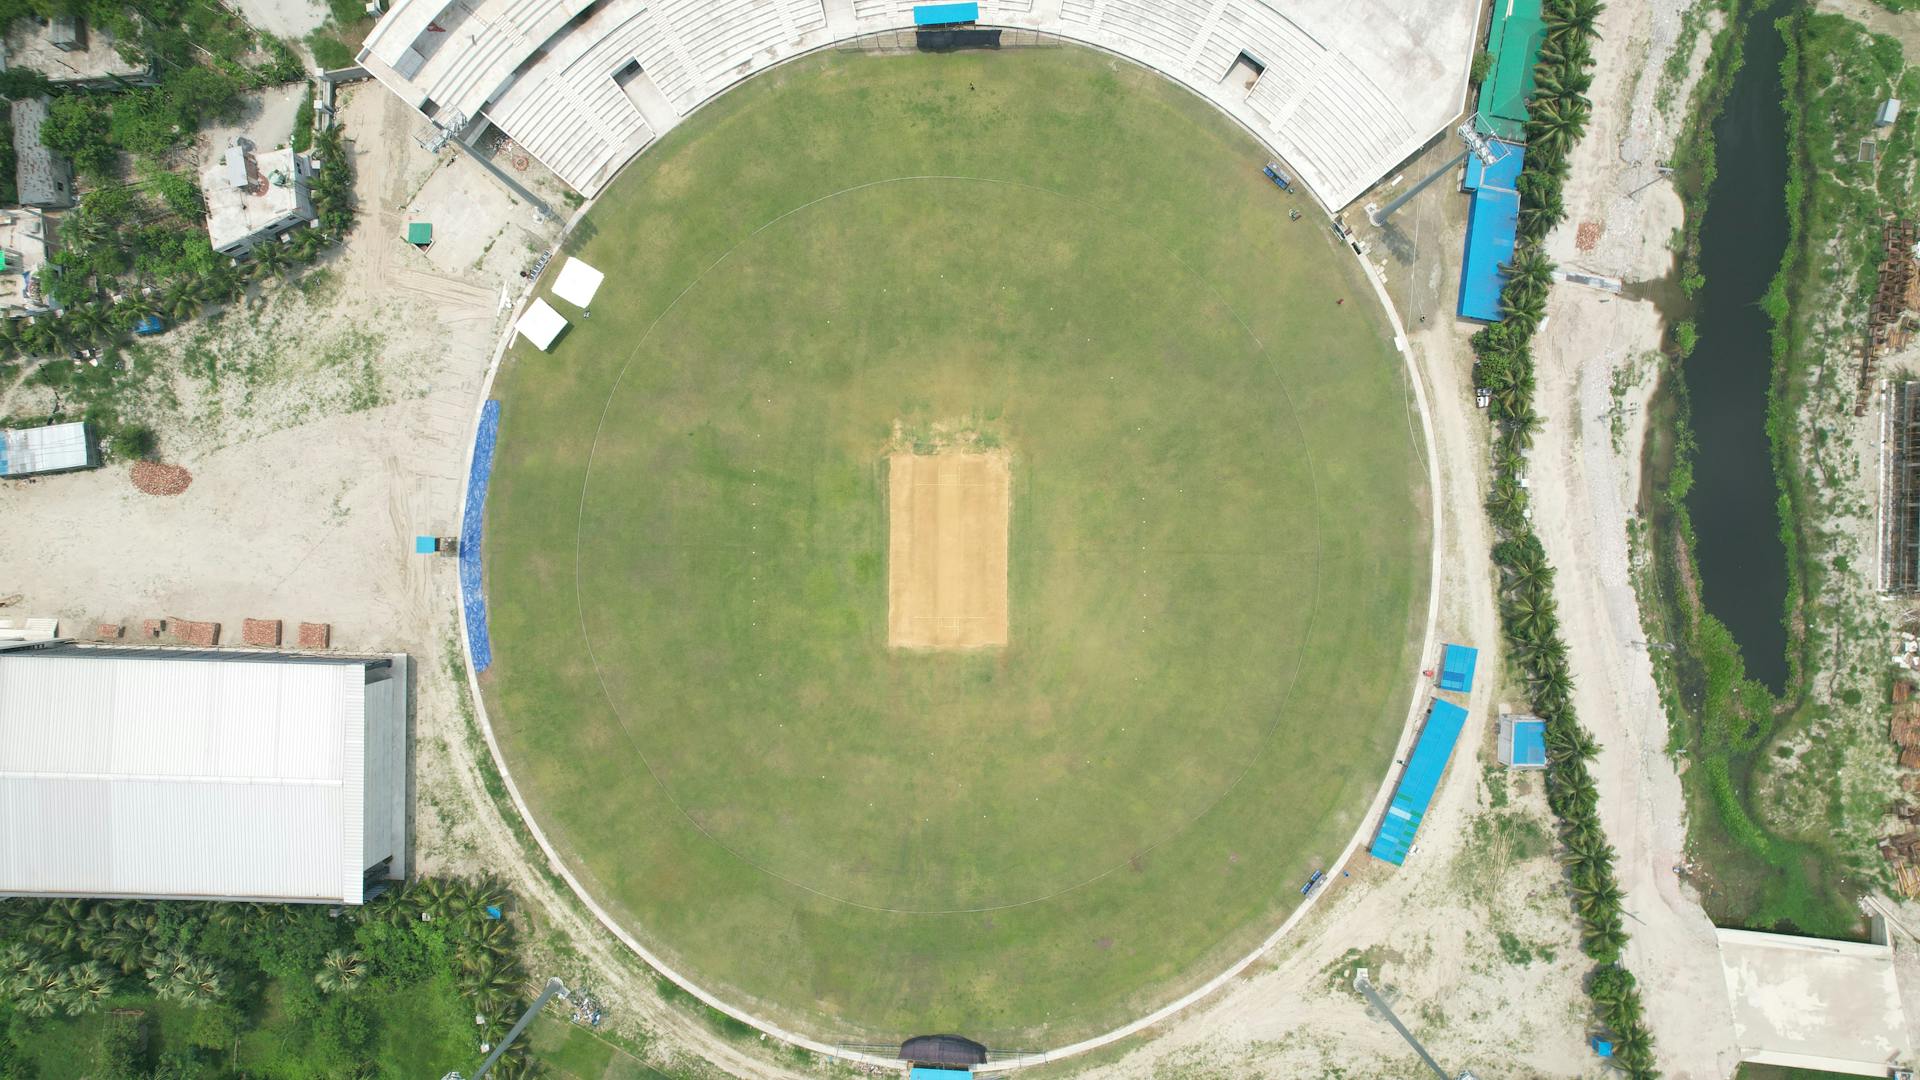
(945, 14)
(1456, 668)
(1425, 766)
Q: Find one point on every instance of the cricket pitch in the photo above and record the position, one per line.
(947, 550)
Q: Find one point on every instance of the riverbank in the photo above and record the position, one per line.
(1787, 792)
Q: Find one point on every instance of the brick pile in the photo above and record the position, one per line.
(195, 633)
(109, 631)
(1587, 236)
(315, 635)
(153, 478)
(260, 633)
(152, 628)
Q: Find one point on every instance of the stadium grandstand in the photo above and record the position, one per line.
(1342, 92)
(187, 774)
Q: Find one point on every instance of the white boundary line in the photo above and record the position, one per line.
(1414, 708)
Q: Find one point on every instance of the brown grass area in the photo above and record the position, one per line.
(947, 550)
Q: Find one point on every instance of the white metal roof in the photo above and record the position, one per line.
(577, 283)
(181, 777)
(541, 324)
(24, 451)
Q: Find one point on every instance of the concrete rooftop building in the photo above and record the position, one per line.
(23, 251)
(41, 177)
(252, 198)
(200, 774)
(72, 54)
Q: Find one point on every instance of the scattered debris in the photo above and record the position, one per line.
(1891, 318)
(153, 478)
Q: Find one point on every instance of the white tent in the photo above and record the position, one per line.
(541, 324)
(577, 283)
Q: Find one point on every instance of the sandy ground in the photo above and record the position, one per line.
(1585, 484)
(947, 550)
(291, 19)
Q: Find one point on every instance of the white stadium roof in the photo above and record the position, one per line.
(182, 776)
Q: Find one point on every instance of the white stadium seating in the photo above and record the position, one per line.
(1343, 92)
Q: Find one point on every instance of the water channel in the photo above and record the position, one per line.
(1743, 565)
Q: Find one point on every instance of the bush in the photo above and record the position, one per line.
(329, 51)
(302, 138)
(1482, 67)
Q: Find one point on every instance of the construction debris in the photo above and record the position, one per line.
(260, 633)
(1892, 316)
(152, 628)
(107, 631)
(153, 478)
(205, 634)
(315, 635)
(1902, 849)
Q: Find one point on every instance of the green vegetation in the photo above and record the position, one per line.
(302, 137)
(1215, 585)
(175, 990)
(1773, 832)
(336, 44)
(1558, 113)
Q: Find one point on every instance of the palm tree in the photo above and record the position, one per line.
(341, 971)
(1562, 83)
(1555, 125)
(1538, 217)
(485, 978)
(1529, 612)
(37, 990)
(1507, 503)
(1530, 274)
(60, 924)
(86, 987)
(1604, 943)
(1573, 19)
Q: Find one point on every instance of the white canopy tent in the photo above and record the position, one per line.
(577, 283)
(541, 324)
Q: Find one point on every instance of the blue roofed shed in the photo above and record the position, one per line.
(1523, 742)
(945, 14)
(1456, 668)
(1492, 222)
(1425, 766)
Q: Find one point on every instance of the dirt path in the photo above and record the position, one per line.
(1593, 369)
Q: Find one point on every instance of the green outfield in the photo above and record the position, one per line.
(1215, 566)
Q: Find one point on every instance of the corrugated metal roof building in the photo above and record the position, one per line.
(1522, 742)
(50, 449)
(1425, 766)
(198, 774)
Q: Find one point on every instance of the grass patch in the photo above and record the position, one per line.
(1206, 567)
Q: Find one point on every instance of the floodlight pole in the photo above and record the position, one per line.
(1379, 217)
(1362, 984)
(554, 986)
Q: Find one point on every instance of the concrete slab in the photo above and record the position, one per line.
(1815, 1004)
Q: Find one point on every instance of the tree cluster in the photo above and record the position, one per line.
(1557, 117)
(73, 958)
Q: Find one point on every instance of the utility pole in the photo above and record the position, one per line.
(554, 986)
(1362, 984)
(1476, 144)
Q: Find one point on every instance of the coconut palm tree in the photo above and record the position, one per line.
(1573, 19)
(85, 987)
(1527, 613)
(60, 924)
(1537, 217)
(1562, 83)
(341, 971)
(37, 990)
(1530, 273)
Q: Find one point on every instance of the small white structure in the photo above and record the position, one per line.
(51, 449)
(541, 324)
(577, 283)
(1811, 1003)
(252, 198)
(200, 774)
(1889, 112)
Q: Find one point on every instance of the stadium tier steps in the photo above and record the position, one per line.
(1339, 126)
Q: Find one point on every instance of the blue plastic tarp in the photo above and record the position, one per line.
(1456, 668)
(1425, 766)
(1492, 221)
(945, 14)
(922, 1072)
(472, 599)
